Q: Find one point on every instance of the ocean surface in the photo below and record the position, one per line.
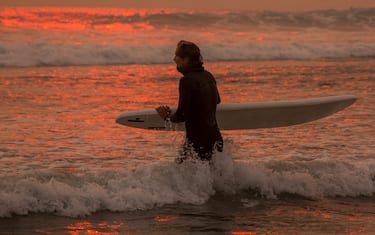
(68, 168)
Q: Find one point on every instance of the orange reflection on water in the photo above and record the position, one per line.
(357, 231)
(75, 18)
(164, 219)
(102, 228)
(319, 214)
(243, 233)
(34, 21)
(124, 27)
(348, 120)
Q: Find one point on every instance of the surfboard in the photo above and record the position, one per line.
(254, 115)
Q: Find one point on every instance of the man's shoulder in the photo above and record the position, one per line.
(196, 74)
(185, 81)
(208, 73)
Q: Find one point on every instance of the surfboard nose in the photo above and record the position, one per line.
(345, 101)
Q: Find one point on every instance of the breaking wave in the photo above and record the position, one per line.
(47, 54)
(161, 183)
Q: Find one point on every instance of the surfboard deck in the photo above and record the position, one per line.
(241, 116)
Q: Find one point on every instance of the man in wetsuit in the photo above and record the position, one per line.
(198, 98)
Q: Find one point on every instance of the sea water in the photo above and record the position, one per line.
(68, 168)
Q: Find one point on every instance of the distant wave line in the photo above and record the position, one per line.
(47, 54)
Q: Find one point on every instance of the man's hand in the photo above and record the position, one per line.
(164, 111)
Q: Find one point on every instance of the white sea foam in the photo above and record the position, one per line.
(46, 54)
(143, 188)
(314, 179)
(162, 183)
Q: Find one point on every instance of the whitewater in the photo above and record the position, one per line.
(157, 184)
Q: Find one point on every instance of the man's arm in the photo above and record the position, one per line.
(183, 102)
(218, 97)
(183, 105)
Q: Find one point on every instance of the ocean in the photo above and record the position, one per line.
(68, 168)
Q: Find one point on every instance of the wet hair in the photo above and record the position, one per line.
(191, 51)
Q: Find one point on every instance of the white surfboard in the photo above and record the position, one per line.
(249, 115)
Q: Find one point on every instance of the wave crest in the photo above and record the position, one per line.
(164, 183)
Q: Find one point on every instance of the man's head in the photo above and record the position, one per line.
(188, 55)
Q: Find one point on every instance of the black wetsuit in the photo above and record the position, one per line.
(198, 97)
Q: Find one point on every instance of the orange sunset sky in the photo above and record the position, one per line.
(274, 5)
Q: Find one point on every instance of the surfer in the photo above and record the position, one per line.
(198, 98)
